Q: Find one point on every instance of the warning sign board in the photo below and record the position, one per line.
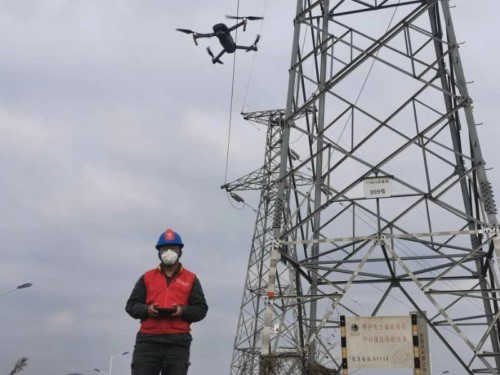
(379, 342)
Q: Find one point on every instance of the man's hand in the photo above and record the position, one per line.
(153, 313)
(178, 312)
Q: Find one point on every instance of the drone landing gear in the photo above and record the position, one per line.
(215, 59)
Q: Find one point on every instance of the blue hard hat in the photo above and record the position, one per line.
(169, 237)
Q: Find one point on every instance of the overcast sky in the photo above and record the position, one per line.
(113, 127)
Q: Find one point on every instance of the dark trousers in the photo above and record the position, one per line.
(153, 358)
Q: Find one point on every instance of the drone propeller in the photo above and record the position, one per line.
(245, 19)
(186, 31)
(214, 59)
(253, 47)
(250, 18)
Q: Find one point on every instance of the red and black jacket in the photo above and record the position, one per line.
(167, 295)
(183, 288)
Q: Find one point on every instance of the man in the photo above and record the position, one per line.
(167, 299)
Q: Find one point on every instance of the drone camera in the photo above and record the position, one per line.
(195, 36)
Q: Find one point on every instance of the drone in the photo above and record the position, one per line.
(223, 33)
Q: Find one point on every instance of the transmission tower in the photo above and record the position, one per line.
(382, 207)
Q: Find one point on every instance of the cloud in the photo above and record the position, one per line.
(114, 126)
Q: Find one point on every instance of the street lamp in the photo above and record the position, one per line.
(22, 286)
(110, 364)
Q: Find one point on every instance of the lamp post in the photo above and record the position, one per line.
(111, 360)
(22, 286)
(110, 364)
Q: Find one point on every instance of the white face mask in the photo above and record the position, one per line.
(169, 257)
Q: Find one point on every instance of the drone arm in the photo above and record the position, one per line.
(209, 35)
(242, 23)
(253, 47)
(196, 36)
(217, 59)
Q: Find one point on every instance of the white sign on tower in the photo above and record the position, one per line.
(377, 187)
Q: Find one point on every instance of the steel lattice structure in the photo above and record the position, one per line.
(323, 246)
